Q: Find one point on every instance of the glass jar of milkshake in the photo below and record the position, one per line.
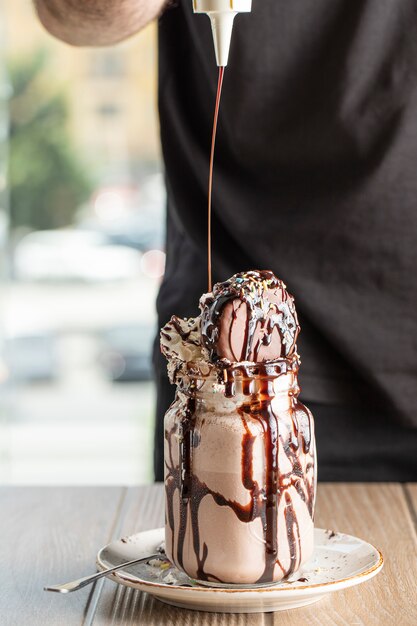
(240, 456)
(240, 476)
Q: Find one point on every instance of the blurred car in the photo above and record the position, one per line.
(126, 354)
(31, 358)
(129, 216)
(141, 230)
(73, 255)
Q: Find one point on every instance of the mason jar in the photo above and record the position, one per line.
(240, 475)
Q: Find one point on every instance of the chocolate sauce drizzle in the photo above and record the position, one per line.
(257, 385)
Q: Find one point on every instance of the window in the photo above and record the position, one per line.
(81, 259)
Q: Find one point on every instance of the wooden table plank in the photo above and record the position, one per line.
(410, 492)
(51, 535)
(377, 513)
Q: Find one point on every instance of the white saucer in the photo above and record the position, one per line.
(339, 561)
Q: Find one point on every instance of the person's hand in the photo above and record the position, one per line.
(96, 22)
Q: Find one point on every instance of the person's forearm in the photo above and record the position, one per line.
(96, 22)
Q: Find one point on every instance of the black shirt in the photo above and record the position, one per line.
(315, 178)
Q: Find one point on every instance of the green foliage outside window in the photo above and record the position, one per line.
(47, 179)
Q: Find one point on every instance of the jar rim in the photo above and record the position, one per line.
(245, 370)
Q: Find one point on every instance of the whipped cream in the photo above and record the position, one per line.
(181, 344)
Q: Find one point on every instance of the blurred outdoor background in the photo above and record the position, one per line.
(81, 255)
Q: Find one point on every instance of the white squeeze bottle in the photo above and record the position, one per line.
(222, 14)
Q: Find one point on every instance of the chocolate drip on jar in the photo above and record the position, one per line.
(293, 534)
(266, 414)
(186, 448)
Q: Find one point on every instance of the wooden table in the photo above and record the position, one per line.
(51, 535)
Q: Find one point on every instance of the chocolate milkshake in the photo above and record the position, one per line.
(240, 474)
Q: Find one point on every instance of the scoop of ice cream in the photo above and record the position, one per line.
(250, 317)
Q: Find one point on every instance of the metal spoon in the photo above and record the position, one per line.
(87, 580)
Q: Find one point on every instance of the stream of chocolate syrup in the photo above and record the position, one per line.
(210, 184)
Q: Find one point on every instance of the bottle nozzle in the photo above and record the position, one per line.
(222, 14)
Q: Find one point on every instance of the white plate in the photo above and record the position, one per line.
(339, 561)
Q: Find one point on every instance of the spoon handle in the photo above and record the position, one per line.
(87, 580)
